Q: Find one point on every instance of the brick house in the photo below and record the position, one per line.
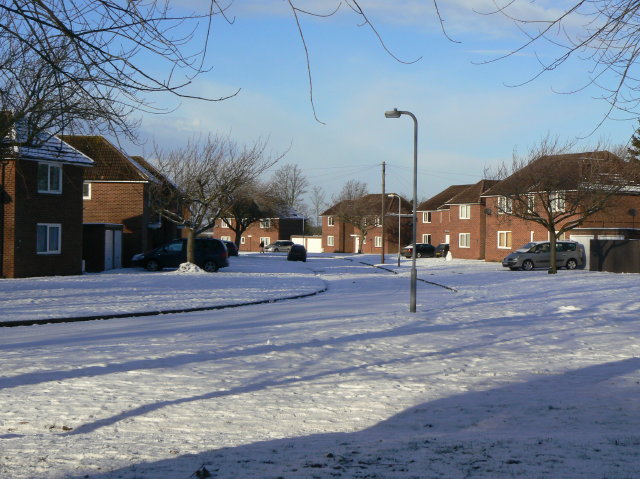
(340, 236)
(41, 209)
(467, 221)
(435, 216)
(116, 191)
(266, 230)
(504, 232)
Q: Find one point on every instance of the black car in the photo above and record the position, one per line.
(232, 249)
(210, 255)
(423, 250)
(297, 253)
(441, 250)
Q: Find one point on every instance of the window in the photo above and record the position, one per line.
(265, 240)
(426, 239)
(464, 240)
(376, 221)
(330, 221)
(504, 239)
(465, 212)
(531, 203)
(330, 241)
(226, 222)
(556, 202)
(86, 191)
(48, 238)
(243, 240)
(265, 224)
(225, 238)
(378, 242)
(49, 178)
(426, 216)
(505, 205)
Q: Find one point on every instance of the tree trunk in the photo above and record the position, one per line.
(553, 254)
(191, 246)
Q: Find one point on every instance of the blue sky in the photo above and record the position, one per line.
(468, 118)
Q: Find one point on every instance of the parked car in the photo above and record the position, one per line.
(537, 254)
(423, 250)
(210, 255)
(441, 250)
(232, 249)
(280, 245)
(297, 252)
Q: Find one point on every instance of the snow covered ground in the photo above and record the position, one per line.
(513, 374)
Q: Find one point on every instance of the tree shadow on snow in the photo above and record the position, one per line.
(582, 423)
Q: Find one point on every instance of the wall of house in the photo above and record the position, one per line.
(439, 227)
(32, 208)
(125, 204)
(474, 226)
(342, 239)
(7, 218)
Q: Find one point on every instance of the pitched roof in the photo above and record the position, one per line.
(49, 148)
(111, 164)
(472, 193)
(371, 202)
(559, 172)
(441, 199)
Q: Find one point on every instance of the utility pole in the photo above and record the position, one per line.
(384, 211)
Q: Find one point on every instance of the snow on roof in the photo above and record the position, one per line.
(50, 148)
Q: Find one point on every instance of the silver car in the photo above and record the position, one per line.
(537, 254)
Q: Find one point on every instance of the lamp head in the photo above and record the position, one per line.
(392, 113)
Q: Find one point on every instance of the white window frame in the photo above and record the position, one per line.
(464, 240)
(86, 195)
(225, 238)
(426, 238)
(48, 227)
(505, 205)
(265, 224)
(265, 240)
(330, 241)
(378, 242)
(557, 202)
(464, 212)
(330, 221)
(426, 216)
(243, 240)
(50, 167)
(505, 239)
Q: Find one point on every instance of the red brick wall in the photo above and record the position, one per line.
(439, 227)
(7, 223)
(125, 204)
(343, 241)
(32, 208)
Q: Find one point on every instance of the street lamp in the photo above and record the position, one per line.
(395, 113)
(392, 195)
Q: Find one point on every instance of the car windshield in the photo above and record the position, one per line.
(525, 248)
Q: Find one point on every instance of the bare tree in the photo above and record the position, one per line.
(318, 202)
(559, 190)
(250, 203)
(354, 206)
(89, 59)
(288, 184)
(206, 173)
(605, 33)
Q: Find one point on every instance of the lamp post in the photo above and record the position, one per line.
(392, 195)
(395, 113)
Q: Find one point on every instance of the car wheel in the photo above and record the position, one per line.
(210, 266)
(527, 265)
(572, 264)
(152, 265)
(418, 255)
